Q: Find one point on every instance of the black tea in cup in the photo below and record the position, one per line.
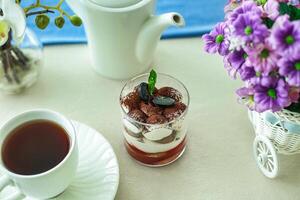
(35, 147)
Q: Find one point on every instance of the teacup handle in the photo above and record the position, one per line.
(15, 196)
(5, 181)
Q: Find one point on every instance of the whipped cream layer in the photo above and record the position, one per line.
(149, 146)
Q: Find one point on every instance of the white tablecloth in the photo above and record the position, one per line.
(218, 163)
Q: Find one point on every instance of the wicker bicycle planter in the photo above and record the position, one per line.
(275, 133)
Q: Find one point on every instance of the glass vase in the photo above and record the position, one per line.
(20, 64)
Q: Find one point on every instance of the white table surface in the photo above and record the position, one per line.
(218, 163)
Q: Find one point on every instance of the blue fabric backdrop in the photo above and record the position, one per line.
(200, 16)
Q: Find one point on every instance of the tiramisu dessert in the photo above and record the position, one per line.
(154, 111)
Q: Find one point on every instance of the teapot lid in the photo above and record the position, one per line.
(115, 3)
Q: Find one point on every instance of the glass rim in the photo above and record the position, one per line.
(164, 124)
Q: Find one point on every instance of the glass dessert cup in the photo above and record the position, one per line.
(155, 144)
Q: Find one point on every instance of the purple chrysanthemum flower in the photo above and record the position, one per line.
(294, 2)
(290, 68)
(260, 78)
(250, 29)
(271, 9)
(231, 71)
(285, 36)
(216, 40)
(234, 62)
(263, 57)
(245, 8)
(231, 6)
(237, 58)
(246, 96)
(247, 73)
(271, 94)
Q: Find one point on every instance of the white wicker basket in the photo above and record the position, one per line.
(275, 133)
(282, 128)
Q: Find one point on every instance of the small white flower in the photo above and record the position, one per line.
(4, 31)
(236, 43)
(13, 19)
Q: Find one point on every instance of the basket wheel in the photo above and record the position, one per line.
(265, 156)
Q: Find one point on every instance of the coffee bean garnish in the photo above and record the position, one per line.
(143, 91)
(163, 101)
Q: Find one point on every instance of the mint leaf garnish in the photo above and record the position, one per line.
(152, 81)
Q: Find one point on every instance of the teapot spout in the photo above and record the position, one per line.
(151, 32)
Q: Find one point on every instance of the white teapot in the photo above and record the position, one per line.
(122, 34)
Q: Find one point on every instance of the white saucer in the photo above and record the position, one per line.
(98, 171)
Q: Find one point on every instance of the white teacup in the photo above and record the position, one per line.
(52, 182)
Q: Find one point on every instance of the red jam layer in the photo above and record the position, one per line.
(156, 159)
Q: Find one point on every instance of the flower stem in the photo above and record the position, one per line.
(52, 9)
(39, 12)
(12, 58)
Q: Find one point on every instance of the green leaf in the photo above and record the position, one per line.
(268, 22)
(295, 12)
(290, 10)
(295, 107)
(152, 81)
(284, 9)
